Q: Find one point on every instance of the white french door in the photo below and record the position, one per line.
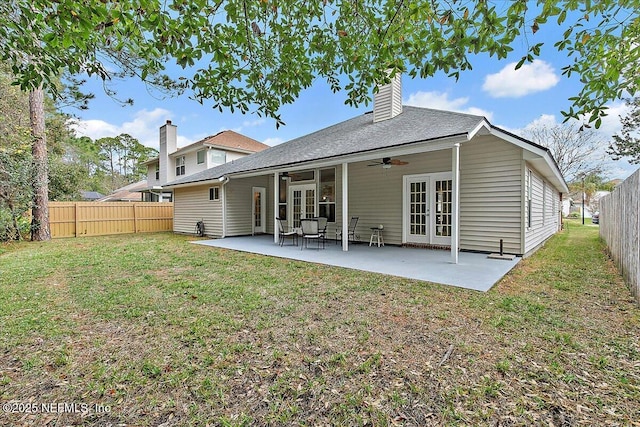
(427, 209)
(258, 210)
(416, 209)
(302, 203)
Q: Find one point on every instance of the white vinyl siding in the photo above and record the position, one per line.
(387, 102)
(490, 196)
(375, 193)
(544, 221)
(152, 170)
(239, 196)
(191, 205)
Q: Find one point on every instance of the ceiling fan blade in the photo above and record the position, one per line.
(396, 162)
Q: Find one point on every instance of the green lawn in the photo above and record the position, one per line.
(156, 330)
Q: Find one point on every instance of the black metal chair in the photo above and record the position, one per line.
(293, 234)
(351, 230)
(322, 226)
(310, 232)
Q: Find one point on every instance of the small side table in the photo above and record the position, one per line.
(376, 236)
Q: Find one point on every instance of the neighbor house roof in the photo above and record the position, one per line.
(357, 135)
(225, 140)
(128, 193)
(90, 195)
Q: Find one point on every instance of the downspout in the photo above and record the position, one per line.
(224, 180)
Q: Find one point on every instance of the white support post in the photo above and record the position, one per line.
(276, 205)
(345, 207)
(223, 196)
(455, 203)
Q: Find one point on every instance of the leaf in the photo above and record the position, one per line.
(585, 38)
(535, 27)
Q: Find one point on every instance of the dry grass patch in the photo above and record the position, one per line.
(163, 332)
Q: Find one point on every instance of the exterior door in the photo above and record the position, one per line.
(302, 203)
(258, 211)
(428, 209)
(441, 190)
(416, 209)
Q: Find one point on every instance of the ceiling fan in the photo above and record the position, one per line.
(387, 162)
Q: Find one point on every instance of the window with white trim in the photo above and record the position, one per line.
(200, 156)
(217, 157)
(327, 199)
(180, 166)
(157, 172)
(214, 194)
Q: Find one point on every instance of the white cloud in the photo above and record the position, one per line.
(273, 141)
(548, 120)
(611, 123)
(245, 124)
(530, 78)
(143, 126)
(441, 101)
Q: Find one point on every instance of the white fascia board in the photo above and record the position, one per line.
(151, 161)
(540, 152)
(186, 150)
(213, 181)
(225, 148)
(483, 128)
(403, 150)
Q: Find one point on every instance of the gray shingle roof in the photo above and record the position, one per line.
(356, 135)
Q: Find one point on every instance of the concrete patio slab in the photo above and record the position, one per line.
(474, 271)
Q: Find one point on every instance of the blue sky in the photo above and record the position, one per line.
(512, 100)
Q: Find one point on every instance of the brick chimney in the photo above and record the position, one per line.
(168, 145)
(387, 103)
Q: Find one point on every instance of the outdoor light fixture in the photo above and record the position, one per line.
(285, 176)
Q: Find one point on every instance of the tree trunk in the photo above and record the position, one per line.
(40, 210)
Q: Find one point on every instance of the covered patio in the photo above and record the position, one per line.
(473, 270)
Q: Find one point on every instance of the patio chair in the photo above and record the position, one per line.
(310, 232)
(351, 230)
(322, 226)
(293, 234)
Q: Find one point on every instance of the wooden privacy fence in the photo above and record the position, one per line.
(75, 219)
(620, 229)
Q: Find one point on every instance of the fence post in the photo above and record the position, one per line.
(75, 219)
(135, 218)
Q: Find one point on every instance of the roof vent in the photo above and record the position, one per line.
(387, 103)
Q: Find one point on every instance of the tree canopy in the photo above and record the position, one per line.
(259, 55)
(626, 143)
(575, 151)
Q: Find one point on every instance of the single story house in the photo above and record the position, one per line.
(128, 193)
(173, 162)
(431, 178)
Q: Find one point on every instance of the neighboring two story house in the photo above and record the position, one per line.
(174, 163)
